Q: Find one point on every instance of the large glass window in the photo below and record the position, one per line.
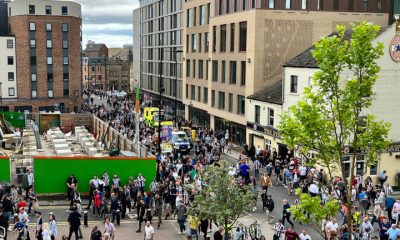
(304, 4)
(201, 74)
(205, 95)
(189, 17)
(214, 38)
(230, 102)
(288, 4)
(243, 36)
(221, 100)
(241, 105)
(192, 92)
(202, 14)
(271, 3)
(243, 73)
(187, 68)
(232, 72)
(206, 42)
(194, 42)
(215, 71)
(223, 70)
(212, 98)
(232, 37)
(222, 38)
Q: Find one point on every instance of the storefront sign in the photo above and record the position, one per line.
(265, 130)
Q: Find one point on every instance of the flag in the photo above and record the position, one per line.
(137, 101)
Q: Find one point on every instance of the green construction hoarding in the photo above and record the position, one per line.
(4, 169)
(51, 173)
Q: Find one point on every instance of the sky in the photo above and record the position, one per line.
(107, 21)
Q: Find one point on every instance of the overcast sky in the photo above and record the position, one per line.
(107, 21)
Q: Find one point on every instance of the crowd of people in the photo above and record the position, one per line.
(167, 197)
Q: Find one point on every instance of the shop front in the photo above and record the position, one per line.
(237, 132)
(199, 117)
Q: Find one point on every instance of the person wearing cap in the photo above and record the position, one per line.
(23, 233)
(23, 216)
(39, 226)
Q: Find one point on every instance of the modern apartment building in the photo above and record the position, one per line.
(8, 73)
(47, 55)
(242, 45)
(161, 28)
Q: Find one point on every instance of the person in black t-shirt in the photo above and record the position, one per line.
(218, 235)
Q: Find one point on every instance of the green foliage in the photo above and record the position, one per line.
(310, 209)
(221, 199)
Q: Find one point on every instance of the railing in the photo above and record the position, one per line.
(116, 138)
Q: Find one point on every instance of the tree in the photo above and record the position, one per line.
(331, 119)
(221, 199)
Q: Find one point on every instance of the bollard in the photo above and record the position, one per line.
(85, 218)
(118, 217)
(15, 218)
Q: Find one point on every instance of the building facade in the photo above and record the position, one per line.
(161, 29)
(118, 71)
(245, 46)
(8, 73)
(298, 74)
(48, 54)
(94, 73)
(94, 49)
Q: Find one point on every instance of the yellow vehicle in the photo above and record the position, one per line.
(151, 116)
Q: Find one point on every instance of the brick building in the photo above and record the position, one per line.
(94, 49)
(94, 72)
(48, 54)
(119, 71)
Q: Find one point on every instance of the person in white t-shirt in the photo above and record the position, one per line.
(148, 231)
(304, 236)
(332, 228)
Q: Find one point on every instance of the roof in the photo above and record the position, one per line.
(94, 47)
(306, 60)
(271, 94)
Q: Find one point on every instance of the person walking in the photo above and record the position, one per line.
(279, 228)
(181, 213)
(96, 233)
(53, 226)
(141, 213)
(109, 228)
(74, 220)
(148, 231)
(39, 226)
(286, 213)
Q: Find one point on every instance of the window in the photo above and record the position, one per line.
(208, 12)
(293, 84)
(187, 91)
(31, 9)
(243, 36)
(48, 9)
(215, 71)
(205, 95)
(220, 7)
(49, 77)
(10, 60)
(187, 68)
(48, 44)
(11, 91)
(194, 42)
(243, 73)
(194, 16)
(65, 60)
(232, 72)
(199, 42)
(271, 3)
(201, 74)
(223, 70)
(48, 27)
(373, 170)
(288, 4)
(379, 9)
(271, 114)
(304, 4)
(192, 92)
(253, 3)
(202, 14)
(212, 98)
(50, 93)
(235, 5)
(187, 43)
(66, 92)
(243, 4)
(222, 46)
(49, 60)
(32, 26)
(65, 27)
(64, 10)
(10, 43)
(198, 93)
(65, 44)
(336, 5)
(34, 94)
(214, 38)
(65, 76)
(33, 60)
(206, 42)
(257, 114)
(189, 16)
(10, 76)
(230, 106)
(33, 77)
(241, 105)
(228, 8)
(221, 100)
(365, 5)
(194, 68)
(232, 37)
(33, 43)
